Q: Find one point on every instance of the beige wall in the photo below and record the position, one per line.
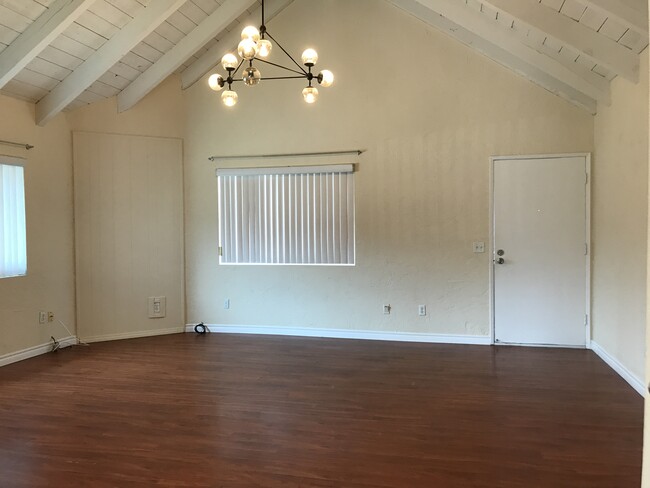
(129, 234)
(619, 222)
(160, 114)
(430, 112)
(49, 283)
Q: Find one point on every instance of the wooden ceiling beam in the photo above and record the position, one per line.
(598, 48)
(214, 24)
(104, 58)
(38, 35)
(476, 31)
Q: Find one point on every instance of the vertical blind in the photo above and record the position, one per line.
(13, 241)
(295, 215)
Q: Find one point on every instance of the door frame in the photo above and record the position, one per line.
(491, 247)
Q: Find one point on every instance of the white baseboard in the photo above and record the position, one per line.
(132, 335)
(634, 381)
(30, 352)
(346, 334)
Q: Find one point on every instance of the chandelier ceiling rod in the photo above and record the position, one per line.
(254, 47)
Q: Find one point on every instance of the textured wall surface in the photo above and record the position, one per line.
(49, 283)
(128, 234)
(430, 112)
(619, 222)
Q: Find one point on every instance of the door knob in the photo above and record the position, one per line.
(500, 252)
(500, 261)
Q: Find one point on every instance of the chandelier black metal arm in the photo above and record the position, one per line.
(280, 66)
(285, 51)
(255, 46)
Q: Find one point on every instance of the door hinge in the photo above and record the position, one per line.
(586, 319)
(220, 251)
(586, 249)
(586, 178)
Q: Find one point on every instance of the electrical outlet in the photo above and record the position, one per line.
(479, 246)
(42, 317)
(226, 303)
(157, 307)
(422, 310)
(387, 309)
(50, 316)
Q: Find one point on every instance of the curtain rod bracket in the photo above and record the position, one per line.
(358, 152)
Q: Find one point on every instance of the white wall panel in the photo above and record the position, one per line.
(129, 233)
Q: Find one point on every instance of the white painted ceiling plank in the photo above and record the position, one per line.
(7, 35)
(36, 79)
(593, 18)
(613, 29)
(158, 42)
(521, 65)
(181, 22)
(28, 8)
(635, 15)
(208, 6)
(129, 7)
(228, 42)
(61, 58)
(97, 24)
(72, 47)
(172, 59)
(84, 36)
(125, 71)
(114, 80)
(110, 13)
(573, 9)
(554, 4)
(13, 19)
(611, 55)
(38, 36)
(24, 91)
(105, 57)
(136, 61)
(103, 89)
(169, 32)
(635, 41)
(193, 12)
(48, 68)
(89, 97)
(147, 52)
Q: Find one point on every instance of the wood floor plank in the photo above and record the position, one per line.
(251, 411)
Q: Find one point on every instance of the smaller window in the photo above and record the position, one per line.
(290, 215)
(13, 239)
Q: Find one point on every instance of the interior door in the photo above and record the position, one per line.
(540, 250)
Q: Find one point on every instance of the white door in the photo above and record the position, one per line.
(540, 250)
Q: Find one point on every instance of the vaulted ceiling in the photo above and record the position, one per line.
(62, 54)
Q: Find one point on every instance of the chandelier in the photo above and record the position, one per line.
(255, 46)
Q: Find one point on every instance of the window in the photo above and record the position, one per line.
(13, 242)
(292, 215)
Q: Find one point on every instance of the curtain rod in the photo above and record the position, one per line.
(358, 152)
(21, 144)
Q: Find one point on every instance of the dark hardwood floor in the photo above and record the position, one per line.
(251, 411)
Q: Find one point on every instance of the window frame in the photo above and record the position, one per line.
(296, 170)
